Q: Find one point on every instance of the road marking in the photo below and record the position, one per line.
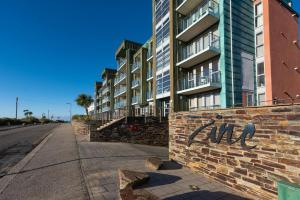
(6, 180)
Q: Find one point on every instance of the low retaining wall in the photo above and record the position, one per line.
(84, 127)
(264, 147)
(134, 130)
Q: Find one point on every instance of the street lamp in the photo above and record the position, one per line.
(70, 110)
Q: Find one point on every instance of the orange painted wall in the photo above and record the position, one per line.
(281, 54)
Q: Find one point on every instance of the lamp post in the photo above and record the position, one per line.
(70, 110)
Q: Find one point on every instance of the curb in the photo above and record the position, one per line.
(12, 173)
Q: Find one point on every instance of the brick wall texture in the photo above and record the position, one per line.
(276, 156)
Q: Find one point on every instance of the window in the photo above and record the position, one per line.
(258, 15)
(259, 45)
(261, 99)
(159, 84)
(260, 75)
(250, 99)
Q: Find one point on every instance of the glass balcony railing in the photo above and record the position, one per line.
(200, 44)
(106, 109)
(208, 6)
(149, 95)
(135, 66)
(135, 83)
(120, 90)
(198, 80)
(120, 104)
(135, 99)
(105, 90)
(120, 77)
(121, 62)
(105, 99)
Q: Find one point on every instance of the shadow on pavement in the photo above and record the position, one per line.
(206, 195)
(157, 179)
(171, 165)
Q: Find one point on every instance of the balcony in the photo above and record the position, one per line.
(120, 104)
(149, 95)
(105, 99)
(106, 109)
(120, 91)
(135, 84)
(105, 90)
(135, 67)
(121, 63)
(200, 50)
(204, 16)
(120, 78)
(135, 100)
(198, 83)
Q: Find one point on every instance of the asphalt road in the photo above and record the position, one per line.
(32, 135)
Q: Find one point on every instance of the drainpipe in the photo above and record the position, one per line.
(231, 55)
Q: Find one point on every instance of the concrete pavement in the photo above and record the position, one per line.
(62, 167)
(53, 172)
(100, 162)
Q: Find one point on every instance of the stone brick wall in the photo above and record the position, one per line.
(84, 127)
(134, 130)
(256, 171)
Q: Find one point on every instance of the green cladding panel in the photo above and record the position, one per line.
(236, 29)
(288, 191)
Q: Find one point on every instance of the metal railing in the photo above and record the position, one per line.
(208, 6)
(135, 83)
(121, 62)
(198, 80)
(200, 44)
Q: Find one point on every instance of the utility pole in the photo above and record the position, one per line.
(17, 101)
(48, 114)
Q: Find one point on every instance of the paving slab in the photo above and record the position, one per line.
(100, 162)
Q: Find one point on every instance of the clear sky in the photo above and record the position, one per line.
(52, 50)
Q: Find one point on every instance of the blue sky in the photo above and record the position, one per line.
(52, 50)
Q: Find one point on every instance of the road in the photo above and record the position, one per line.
(16, 143)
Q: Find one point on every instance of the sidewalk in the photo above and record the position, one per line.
(100, 162)
(53, 172)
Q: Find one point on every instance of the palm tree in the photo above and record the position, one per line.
(26, 113)
(85, 101)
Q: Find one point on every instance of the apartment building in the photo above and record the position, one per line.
(161, 58)
(98, 99)
(277, 52)
(126, 69)
(208, 54)
(149, 78)
(107, 93)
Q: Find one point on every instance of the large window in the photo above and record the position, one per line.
(261, 99)
(260, 75)
(161, 9)
(258, 15)
(259, 45)
(163, 83)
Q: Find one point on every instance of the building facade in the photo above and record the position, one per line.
(208, 54)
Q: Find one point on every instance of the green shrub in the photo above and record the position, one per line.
(81, 118)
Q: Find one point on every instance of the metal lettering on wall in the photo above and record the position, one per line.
(248, 131)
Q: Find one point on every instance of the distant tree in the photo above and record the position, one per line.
(26, 113)
(84, 101)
